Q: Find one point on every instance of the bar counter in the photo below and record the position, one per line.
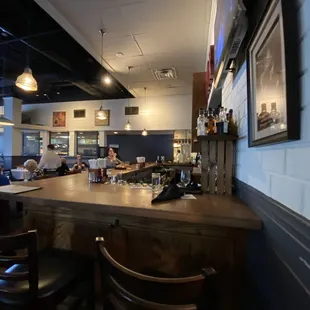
(177, 237)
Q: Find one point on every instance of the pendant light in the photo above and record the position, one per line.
(26, 81)
(3, 120)
(128, 125)
(144, 132)
(101, 114)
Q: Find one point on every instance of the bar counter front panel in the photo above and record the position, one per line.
(177, 237)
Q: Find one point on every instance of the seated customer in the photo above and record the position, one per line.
(63, 169)
(3, 179)
(50, 160)
(32, 166)
(112, 161)
(79, 165)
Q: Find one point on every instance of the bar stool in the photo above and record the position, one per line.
(41, 281)
(126, 289)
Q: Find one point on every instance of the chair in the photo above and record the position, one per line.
(41, 281)
(126, 289)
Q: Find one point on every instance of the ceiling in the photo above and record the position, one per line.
(65, 71)
(151, 34)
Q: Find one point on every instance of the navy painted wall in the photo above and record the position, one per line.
(132, 146)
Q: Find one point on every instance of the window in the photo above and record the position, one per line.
(87, 143)
(79, 113)
(61, 142)
(131, 110)
(31, 143)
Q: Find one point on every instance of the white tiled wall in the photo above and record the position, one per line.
(280, 171)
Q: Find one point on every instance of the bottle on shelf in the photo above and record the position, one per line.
(201, 123)
(232, 126)
(211, 129)
(220, 119)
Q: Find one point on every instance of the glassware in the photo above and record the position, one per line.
(185, 177)
(155, 181)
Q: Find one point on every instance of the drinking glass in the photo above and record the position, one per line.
(185, 177)
(155, 181)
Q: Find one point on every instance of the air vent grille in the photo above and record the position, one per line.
(131, 110)
(79, 113)
(165, 74)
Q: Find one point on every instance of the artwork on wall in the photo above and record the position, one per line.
(273, 68)
(59, 119)
(103, 122)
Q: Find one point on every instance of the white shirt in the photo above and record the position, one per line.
(50, 160)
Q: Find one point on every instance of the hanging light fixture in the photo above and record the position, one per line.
(26, 81)
(128, 125)
(144, 132)
(101, 113)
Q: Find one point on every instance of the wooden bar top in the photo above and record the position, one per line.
(74, 192)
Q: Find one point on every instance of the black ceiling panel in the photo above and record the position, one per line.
(64, 70)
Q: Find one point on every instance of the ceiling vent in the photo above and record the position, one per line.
(165, 74)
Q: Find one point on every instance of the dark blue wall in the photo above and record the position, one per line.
(132, 146)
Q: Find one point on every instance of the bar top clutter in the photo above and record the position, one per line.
(74, 194)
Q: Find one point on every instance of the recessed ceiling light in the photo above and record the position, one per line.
(37, 95)
(45, 94)
(58, 93)
(107, 80)
(119, 54)
(115, 132)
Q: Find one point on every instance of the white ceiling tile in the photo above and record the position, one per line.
(169, 33)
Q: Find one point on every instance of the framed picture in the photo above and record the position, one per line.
(103, 122)
(59, 119)
(273, 82)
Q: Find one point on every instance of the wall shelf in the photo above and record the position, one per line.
(217, 138)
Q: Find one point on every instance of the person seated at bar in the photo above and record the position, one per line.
(50, 160)
(3, 179)
(80, 164)
(112, 160)
(32, 166)
(63, 169)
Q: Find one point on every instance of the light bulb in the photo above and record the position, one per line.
(107, 80)
(144, 132)
(128, 126)
(101, 114)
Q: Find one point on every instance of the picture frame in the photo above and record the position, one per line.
(102, 122)
(274, 107)
(59, 119)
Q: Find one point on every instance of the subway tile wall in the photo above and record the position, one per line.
(280, 171)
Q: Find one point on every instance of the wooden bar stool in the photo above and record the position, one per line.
(126, 289)
(41, 281)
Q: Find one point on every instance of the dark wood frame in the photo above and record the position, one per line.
(292, 66)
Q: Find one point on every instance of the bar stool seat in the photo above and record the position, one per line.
(59, 272)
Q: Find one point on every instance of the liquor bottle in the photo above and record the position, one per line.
(274, 114)
(232, 126)
(211, 129)
(264, 119)
(220, 121)
(201, 126)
